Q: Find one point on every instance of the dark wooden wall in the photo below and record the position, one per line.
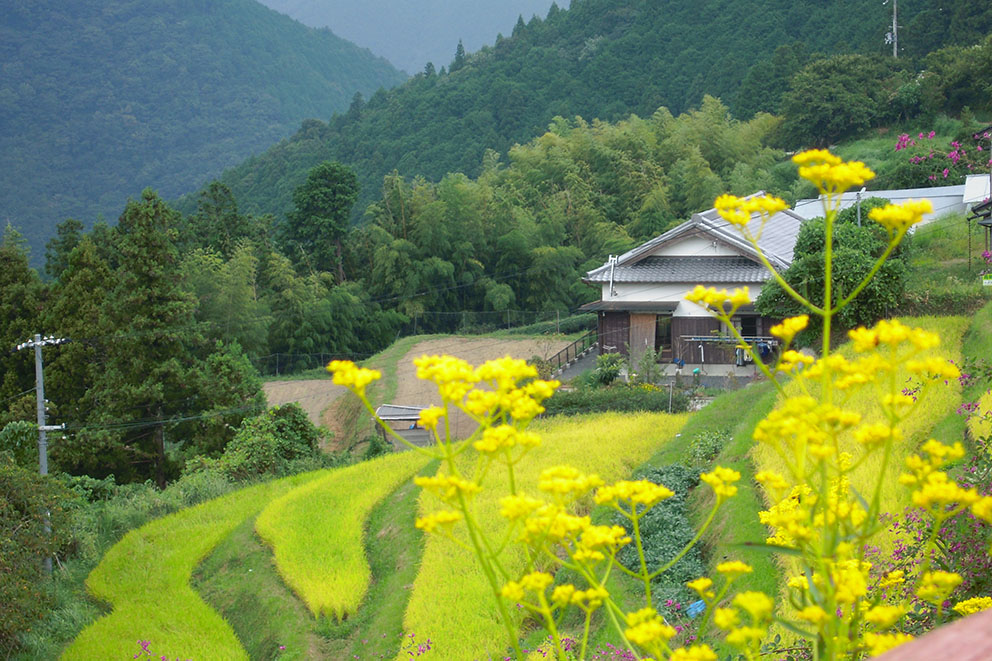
(698, 326)
(614, 331)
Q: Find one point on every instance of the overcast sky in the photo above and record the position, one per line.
(410, 33)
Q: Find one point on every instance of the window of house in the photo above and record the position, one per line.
(749, 326)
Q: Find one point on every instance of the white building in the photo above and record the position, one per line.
(643, 304)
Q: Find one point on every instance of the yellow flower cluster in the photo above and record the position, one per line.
(456, 381)
(711, 297)
(935, 368)
(694, 653)
(884, 616)
(734, 568)
(788, 329)
(351, 376)
(430, 417)
(551, 523)
(518, 506)
(897, 218)
(973, 605)
(702, 586)
(566, 483)
(636, 492)
(442, 519)
(771, 480)
(588, 600)
(646, 627)
(722, 480)
(746, 637)
(789, 518)
(893, 333)
(536, 582)
(937, 586)
(829, 173)
(880, 643)
(448, 488)
(934, 490)
(504, 437)
(739, 210)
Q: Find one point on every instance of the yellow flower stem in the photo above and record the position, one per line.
(781, 281)
(644, 576)
(613, 610)
(699, 535)
(704, 623)
(585, 634)
(725, 318)
(876, 499)
(391, 432)
(828, 310)
(487, 569)
(549, 621)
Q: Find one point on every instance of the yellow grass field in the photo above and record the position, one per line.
(317, 531)
(146, 579)
(451, 601)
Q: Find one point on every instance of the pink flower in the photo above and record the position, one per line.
(931, 134)
(945, 173)
(921, 135)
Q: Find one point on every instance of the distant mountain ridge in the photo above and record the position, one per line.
(599, 59)
(102, 98)
(411, 34)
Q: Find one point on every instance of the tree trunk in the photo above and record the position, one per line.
(337, 249)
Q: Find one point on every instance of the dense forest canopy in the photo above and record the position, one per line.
(99, 99)
(600, 59)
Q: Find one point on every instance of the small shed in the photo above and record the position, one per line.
(403, 421)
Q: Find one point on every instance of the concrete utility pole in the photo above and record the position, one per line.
(895, 28)
(894, 35)
(39, 374)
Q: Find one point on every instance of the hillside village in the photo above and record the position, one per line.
(587, 345)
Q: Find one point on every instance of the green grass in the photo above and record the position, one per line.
(146, 579)
(316, 531)
(241, 583)
(451, 601)
(394, 547)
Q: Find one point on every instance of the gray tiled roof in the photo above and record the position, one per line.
(685, 269)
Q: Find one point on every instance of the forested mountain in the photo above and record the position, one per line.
(101, 98)
(600, 59)
(411, 34)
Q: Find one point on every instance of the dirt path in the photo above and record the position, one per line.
(313, 395)
(411, 391)
(317, 396)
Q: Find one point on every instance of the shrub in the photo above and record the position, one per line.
(665, 531)
(267, 444)
(617, 397)
(24, 498)
(608, 367)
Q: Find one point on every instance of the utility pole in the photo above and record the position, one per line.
(895, 28)
(894, 35)
(39, 374)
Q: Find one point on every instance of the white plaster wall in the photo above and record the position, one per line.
(668, 293)
(695, 246)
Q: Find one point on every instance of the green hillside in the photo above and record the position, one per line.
(599, 59)
(99, 100)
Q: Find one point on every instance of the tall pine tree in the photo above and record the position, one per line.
(149, 349)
